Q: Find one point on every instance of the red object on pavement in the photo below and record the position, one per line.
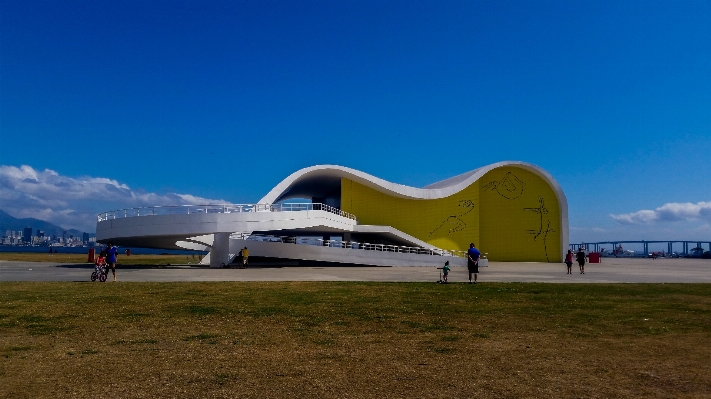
(92, 252)
(594, 257)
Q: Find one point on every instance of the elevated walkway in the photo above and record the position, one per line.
(164, 227)
(221, 229)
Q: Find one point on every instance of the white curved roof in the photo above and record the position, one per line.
(322, 178)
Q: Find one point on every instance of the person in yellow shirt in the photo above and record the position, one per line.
(245, 256)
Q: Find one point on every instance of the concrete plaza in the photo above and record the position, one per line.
(611, 270)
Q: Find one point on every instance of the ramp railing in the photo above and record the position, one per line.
(347, 244)
(220, 208)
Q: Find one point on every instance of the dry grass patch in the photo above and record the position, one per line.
(354, 340)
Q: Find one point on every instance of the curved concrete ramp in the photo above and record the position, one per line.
(164, 231)
(341, 255)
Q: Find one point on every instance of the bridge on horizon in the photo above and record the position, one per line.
(596, 246)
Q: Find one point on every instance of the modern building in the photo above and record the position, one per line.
(513, 211)
(27, 235)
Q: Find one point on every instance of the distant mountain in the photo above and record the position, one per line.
(8, 222)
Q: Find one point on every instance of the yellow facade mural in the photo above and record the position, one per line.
(510, 213)
(520, 217)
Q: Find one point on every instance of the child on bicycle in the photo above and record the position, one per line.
(101, 259)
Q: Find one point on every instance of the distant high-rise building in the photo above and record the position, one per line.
(85, 238)
(27, 235)
(40, 233)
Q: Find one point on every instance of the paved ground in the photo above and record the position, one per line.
(610, 271)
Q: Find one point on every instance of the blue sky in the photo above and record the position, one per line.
(117, 104)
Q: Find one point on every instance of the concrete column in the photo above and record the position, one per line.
(220, 252)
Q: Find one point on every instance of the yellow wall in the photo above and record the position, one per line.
(447, 223)
(515, 225)
(500, 213)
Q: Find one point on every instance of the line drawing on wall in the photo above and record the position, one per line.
(510, 187)
(541, 210)
(456, 220)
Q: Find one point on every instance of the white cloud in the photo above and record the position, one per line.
(587, 229)
(74, 202)
(670, 212)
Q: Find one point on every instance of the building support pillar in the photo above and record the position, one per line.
(220, 252)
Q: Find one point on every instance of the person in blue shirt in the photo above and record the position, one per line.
(473, 255)
(111, 256)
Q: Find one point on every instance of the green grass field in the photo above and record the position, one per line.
(356, 340)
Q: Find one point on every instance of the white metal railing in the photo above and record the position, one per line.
(221, 208)
(347, 244)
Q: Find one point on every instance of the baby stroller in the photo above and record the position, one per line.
(100, 271)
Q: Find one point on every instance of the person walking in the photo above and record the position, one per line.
(580, 257)
(569, 261)
(111, 257)
(473, 255)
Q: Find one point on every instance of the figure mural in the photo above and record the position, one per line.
(455, 222)
(510, 187)
(541, 210)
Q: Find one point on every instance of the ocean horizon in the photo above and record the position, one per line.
(85, 250)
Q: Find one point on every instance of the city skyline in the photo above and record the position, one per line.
(111, 106)
(36, 237)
